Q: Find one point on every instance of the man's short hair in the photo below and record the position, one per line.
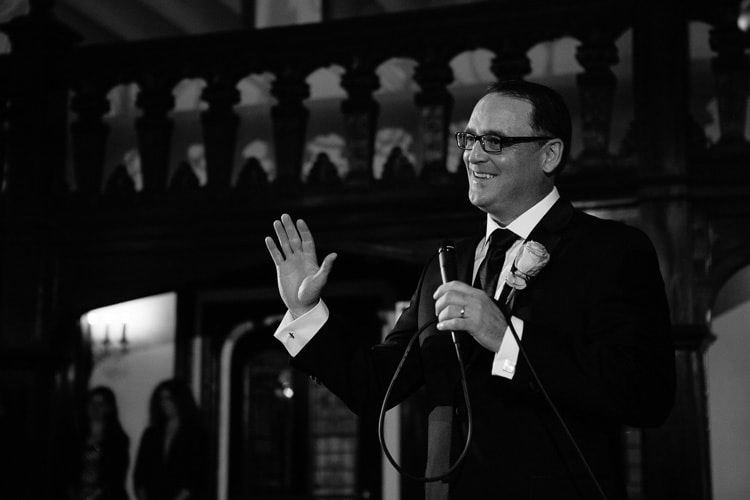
(550, 114)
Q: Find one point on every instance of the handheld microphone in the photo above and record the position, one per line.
(448, 271)
(447, 257)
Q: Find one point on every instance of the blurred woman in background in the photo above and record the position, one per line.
(171, 461)
(102, 454)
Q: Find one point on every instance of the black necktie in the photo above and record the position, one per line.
(489, 270)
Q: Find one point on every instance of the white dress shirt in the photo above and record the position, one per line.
(296, 333)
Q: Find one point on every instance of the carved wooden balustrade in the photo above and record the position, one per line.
(432, 38)
(71, 246)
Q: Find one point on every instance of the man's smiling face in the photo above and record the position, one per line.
(508, 183)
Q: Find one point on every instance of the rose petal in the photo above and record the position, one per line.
(517, 282)
(532, 258)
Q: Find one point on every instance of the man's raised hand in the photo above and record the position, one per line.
(301, 279)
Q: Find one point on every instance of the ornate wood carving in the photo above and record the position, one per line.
(154, 130)
(323, 174)
(596, 54)
(510, 61)
(360, 114)
(252, 178)
(435, 103)
(731, 68)
(4, 95)
(89, 136)
(289, 117)
(220, 124)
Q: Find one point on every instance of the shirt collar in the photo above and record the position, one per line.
(527, 221)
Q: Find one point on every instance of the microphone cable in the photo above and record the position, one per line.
(381, 416)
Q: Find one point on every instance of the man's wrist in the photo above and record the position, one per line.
(296, 333)
(299, 312)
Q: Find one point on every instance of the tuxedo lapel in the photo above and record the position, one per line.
(550, 228)
(465, 259)
(547, 233)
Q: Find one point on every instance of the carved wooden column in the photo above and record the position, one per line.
(4, 96)
(289, 118)
(220, 124)
(33, 349)
(675, 455)
(510, 61)
(36, 136)
(596, 85)
(360, 112)
(731, 69)
(154, 130)
(435, 103)
(89, 136)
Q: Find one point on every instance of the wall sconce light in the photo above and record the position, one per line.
(743, 20)
(98, 332)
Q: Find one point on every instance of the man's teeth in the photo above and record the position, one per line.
(480, 175)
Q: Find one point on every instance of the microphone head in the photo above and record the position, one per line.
(447, 245)
(447, 257)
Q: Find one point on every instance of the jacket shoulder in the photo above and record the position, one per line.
(615, 230)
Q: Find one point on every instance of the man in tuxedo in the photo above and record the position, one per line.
(593, 322)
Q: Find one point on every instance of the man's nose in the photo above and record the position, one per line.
(477, 153)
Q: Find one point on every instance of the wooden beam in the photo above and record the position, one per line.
(195, 16)
(91, 30)
(126, 19)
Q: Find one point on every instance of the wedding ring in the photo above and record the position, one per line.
(463, 312)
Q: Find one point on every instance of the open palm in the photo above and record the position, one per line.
(300, 278)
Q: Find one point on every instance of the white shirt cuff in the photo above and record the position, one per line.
(504, 364)
(296, 333)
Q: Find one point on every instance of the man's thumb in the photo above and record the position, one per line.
(327, 265)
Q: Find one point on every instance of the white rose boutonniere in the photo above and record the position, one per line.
(530, 260)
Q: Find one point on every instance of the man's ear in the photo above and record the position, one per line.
(553, 152)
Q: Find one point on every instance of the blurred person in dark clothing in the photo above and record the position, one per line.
(171, 460)
(101, 457)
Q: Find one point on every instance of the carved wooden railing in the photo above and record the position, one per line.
(431, 37)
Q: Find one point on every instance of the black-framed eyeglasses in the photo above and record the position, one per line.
(493, 144)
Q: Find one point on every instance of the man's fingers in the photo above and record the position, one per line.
(281, 235)
(291, 232)
(447, 297)
(452, 311)
(304, 231)
(451, 324)
(278, 259)
(306, 237)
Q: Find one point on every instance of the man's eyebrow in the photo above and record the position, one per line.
(486, 132)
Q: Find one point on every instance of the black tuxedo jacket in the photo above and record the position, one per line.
(596, 331)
